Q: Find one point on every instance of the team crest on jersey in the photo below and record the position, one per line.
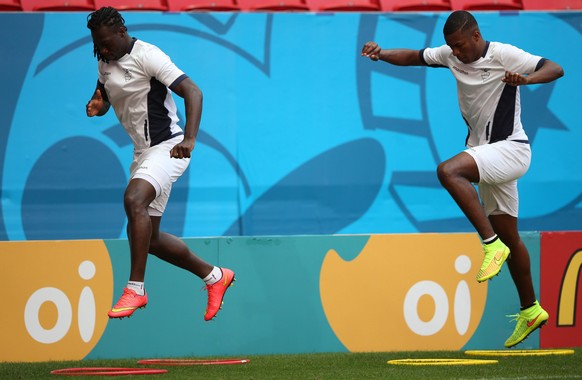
(485, 74)
(127, 75)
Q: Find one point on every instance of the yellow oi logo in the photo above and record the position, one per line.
(405, 292)
(55, 295)
(567, 303)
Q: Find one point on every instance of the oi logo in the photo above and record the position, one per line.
(54, 290)
(405, 292)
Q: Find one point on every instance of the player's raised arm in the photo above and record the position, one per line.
(97, 106)
(399, 57)
(550, 71)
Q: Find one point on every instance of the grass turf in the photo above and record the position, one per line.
(333, 366)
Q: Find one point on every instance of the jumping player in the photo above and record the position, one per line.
(488, 76)
(136, 78)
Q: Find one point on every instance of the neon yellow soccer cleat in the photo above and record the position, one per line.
(527, 321)
(495, 255)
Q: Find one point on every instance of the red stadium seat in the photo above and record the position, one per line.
(487, 5)
(58, 5)
(133, 5)
(554, 5)
(10, 5)
(274, 5)
(416, 5)
(344, 5)
(202, 5)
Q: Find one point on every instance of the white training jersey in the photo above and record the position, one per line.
(491, 108)
(138, 87)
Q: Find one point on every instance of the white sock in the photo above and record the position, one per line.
(136, 286)
(213, 277)
(490, 240)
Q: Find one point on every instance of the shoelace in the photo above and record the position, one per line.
(126, 298)
(515, 317)
(208, 287)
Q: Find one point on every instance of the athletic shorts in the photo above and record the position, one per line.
(157, 167)
(500, 165)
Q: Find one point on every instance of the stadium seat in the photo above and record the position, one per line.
(203, 5)
(344, 5)
(554, 5)
(133, 5)
(10, 5)
(274, 5)
(415, 5)
(58, 5)
(487, 5)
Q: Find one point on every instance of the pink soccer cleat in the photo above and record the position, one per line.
(127, 304)
(216, 293)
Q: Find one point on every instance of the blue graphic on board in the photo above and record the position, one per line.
(12, 73)
(299, 134)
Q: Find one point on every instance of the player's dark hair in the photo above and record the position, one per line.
(106, 16)
(459, 20)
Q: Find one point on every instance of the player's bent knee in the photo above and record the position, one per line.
(443, 172)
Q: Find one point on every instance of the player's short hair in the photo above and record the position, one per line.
(459, 20)
(106, 16)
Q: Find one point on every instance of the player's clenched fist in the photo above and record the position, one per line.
(371, 50)
(514, 79)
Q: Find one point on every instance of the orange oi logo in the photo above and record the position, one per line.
(405, 292)
(55, 289)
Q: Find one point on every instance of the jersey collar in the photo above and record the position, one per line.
(485, 50)
(133, 40)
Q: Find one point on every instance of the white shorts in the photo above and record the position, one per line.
(157, 167)
(500, 165)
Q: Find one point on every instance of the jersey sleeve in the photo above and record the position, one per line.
(159, 65)
(101, 81)
(518, 61)
(101, 78)
(101, 88)
(436, 57)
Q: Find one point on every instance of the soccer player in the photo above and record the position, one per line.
(138, 79)
(488, 76)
